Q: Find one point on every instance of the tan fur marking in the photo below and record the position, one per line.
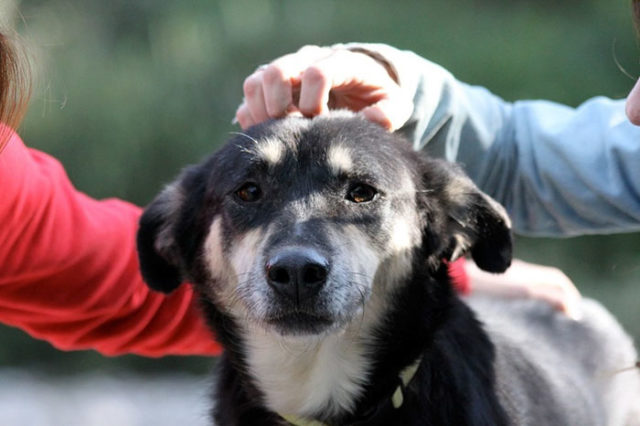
(339, 159)
(214, 257)
(401, 236)
(271, 150)
(245, 251)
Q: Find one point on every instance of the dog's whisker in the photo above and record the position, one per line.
(246, 136)
(413, 191)
(363, 302)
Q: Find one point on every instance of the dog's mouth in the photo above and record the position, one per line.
(300, 323)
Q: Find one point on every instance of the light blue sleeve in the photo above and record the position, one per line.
(559, 171)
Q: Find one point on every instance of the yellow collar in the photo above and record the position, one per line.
(397, 399)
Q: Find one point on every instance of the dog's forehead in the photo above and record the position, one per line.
(342, 147)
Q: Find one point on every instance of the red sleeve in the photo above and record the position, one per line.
(69, 269)
(459, 276)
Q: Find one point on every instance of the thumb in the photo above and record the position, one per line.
(391, 113)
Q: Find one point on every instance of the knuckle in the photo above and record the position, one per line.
(251, 85)
(244, 122)
(274, 74)
(244, 117)
(308, 48)
(315, 75)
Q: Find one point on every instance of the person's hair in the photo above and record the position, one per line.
(15, 83)
(636, 14)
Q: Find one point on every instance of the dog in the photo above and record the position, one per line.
(320, 247)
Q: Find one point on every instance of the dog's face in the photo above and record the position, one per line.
(296, 225)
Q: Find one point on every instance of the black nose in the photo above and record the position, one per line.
(297, 273)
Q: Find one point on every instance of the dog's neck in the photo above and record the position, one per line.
(326, 374)
(341, 376)
(307, 376)
(394, 402)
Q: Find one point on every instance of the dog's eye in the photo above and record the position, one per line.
(361, 193)
(249, 192)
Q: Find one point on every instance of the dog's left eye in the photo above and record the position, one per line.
(361, 193)
(249, 192)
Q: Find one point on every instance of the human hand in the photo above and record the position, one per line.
(316, 79)
(529, 280)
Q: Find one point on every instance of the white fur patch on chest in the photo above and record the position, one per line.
(303, 376)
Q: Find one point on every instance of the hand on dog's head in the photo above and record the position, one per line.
(313, 164)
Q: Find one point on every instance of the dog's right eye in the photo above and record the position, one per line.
(361, 193)
(248, 192)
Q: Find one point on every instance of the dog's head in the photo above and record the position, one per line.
(295, 224)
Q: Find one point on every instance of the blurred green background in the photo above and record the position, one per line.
(131, 91)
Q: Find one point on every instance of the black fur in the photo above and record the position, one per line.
(454, 385)
(159, 274)
(456, 381)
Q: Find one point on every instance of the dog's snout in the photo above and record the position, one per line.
(297, 274)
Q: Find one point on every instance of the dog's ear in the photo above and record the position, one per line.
(158, 251)
(473, 223)
(481, 226)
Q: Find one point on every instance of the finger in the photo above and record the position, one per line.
(243, 116)
(559, 299)
(281, 78)
(345, 71)
(571, 299)
(270, 92)
(315, 84)
(277, 87)
(254, 97)
(552, 297)
(556, 289)
(391, 113)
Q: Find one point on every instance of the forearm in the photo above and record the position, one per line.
(69, 272)
(565, 171)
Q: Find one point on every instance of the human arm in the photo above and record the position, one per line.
(523, 280)
(558, 170)
(528, 281)
(69, 270)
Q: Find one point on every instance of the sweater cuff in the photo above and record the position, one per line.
(459, 277)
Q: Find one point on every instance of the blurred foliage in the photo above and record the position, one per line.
(131, 91)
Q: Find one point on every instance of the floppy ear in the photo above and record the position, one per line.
(473, 223)
(157, 249)
(481, 226)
